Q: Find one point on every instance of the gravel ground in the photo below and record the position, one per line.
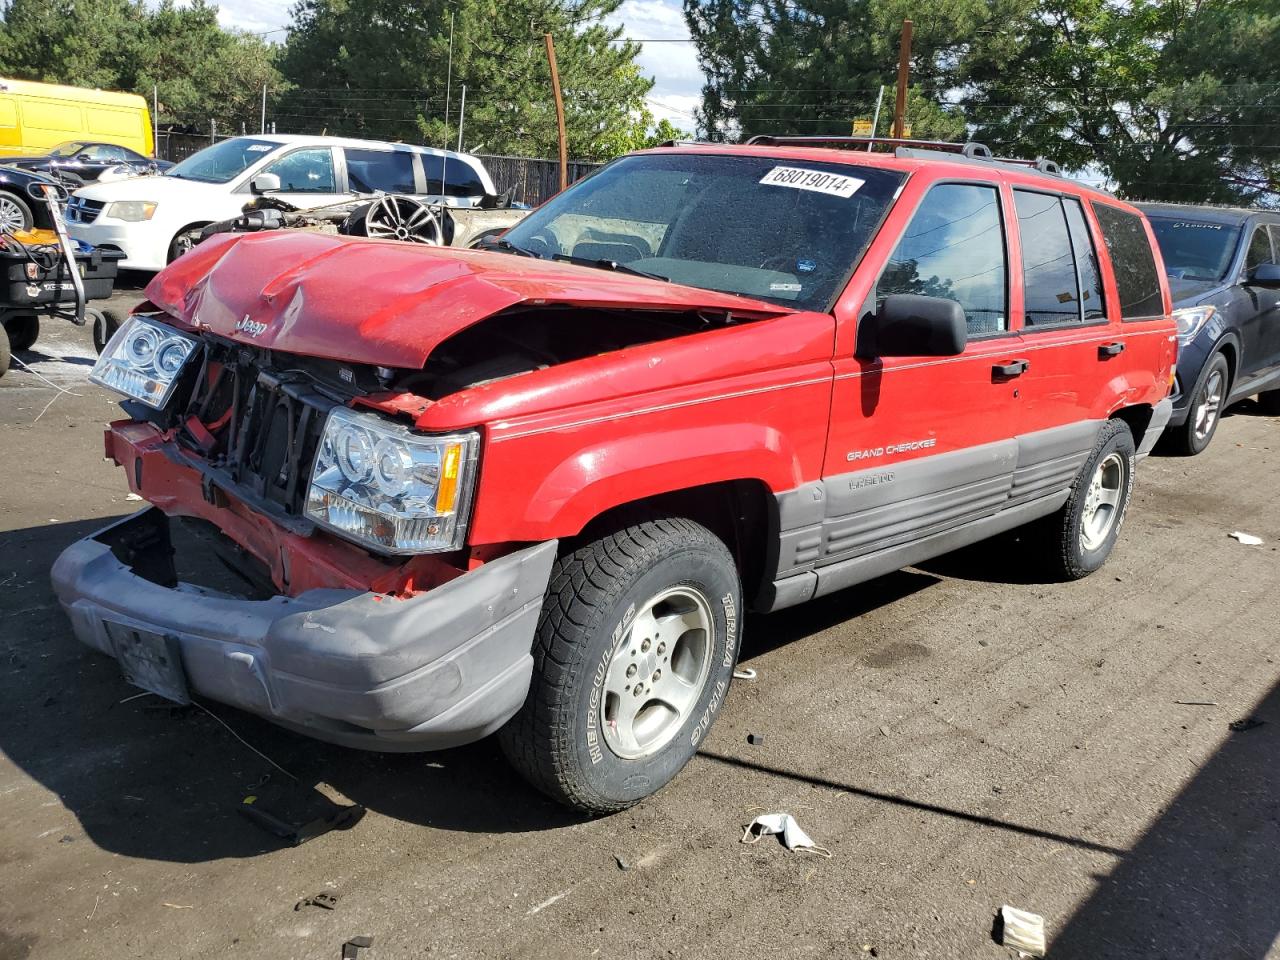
(960, 736)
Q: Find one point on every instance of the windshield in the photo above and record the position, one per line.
(223, 161)
(788, 231)
(1195, 249)
(66, 149)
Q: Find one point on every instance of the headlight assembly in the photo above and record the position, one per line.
(384, 486)
(143, 361)
(132, 211)
(1191, 321)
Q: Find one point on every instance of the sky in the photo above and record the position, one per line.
(672, 65)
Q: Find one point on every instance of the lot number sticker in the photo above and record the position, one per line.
(797, 178)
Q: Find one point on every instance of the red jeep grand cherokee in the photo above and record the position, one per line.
(532, 489)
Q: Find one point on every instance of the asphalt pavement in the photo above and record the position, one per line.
(961, 736)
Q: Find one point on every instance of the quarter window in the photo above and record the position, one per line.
(306, 171)
(1259, 250)
(954, 248)
(1137, 282)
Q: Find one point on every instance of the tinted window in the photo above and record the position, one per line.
(305, 171)
(1137, 282)
(954, 248)
(1195, 249)
(389, 171)
(1048, 265)
(1093, 304)
(785, 231)
(460, 179)
(1259, 249)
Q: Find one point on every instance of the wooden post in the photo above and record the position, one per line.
(555, 89)
(904, 72)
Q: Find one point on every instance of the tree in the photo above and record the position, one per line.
(202, 71)
(814, 66)
(380, 68)
(1169, 99)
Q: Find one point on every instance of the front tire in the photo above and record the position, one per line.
(23, 330)
(633, 657)
(1084, 531)
(1207, 402)
(184, 240)
(15, 213)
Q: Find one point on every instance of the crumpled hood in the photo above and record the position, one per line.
(383, 302)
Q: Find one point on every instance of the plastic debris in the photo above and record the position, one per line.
(351, 949)
(1021, 930)
(1245, 723)
(1248, 539)
(755, 739)
(622, 862)
(133, 497)
(746, 673)
(790, 832)
(325, 901)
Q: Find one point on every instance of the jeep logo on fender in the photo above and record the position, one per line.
(251, 327)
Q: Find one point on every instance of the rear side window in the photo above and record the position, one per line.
(389, 171)
(460, 180)
(954, 248)
(1050, 289)
(1259, 250)
(1137, 281)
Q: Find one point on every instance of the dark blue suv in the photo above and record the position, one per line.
(1224, 273)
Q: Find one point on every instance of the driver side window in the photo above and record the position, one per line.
(954, 248)
(305, 171)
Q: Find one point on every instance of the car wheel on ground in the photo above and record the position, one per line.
(4, 352)
(1083, 533)
(1206, 408)
(15, 214)
(633, 655)
(1269, 403)
(183, 241)
(105, 323)
(23, 329)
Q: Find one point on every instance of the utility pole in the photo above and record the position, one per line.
(448, 88)
(263, 129)
(155, 119)
(462, 115)
(875, 120)
(213, 131)
(904, 71)
(555, 89)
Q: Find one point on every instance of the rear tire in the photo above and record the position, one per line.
(23, 330)
(632, 659)
(4, 352)
(1084, 531)
(1207, 402)
(1269, 403)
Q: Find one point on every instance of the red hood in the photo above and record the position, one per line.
(384, 302)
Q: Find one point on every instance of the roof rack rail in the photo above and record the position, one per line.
(971, 150)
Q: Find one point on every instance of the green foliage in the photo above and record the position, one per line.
(202, 70)
(814, 66)
(1170, 99)
(378, 68)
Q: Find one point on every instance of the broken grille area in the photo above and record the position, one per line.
(257, 424)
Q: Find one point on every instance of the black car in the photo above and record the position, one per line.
(1224, 273)
(17, 210)
(81, 161)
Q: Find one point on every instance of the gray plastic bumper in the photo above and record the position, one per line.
(442, 668)
(1159, 421)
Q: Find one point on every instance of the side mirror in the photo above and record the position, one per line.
(908, 325)
(264, 183)
(1265, 275)
(39, 190)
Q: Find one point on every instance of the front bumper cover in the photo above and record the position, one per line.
(442, 668)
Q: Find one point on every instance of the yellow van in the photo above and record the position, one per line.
(35, 117)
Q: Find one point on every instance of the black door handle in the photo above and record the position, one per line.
(1015, 368)
(1110, 350)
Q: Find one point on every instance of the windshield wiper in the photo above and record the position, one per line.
(499, 243)
(613, 265)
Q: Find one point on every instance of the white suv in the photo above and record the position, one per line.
(156, 219)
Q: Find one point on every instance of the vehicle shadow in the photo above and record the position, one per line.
(1204, 879)
(1015, 557)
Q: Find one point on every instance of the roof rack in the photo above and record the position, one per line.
(972, 150)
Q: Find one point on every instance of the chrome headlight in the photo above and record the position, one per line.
(382, 485)
(143, 361)
(1191, 321)
(132, 211)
